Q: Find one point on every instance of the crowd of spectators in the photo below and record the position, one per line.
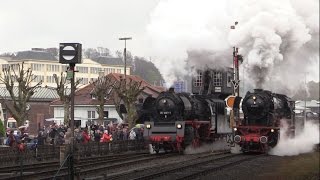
(61, 134)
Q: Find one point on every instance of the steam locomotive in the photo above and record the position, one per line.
(260, 128)
(174, 121)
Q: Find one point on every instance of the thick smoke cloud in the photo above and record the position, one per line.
(303, 142)
(278, 39)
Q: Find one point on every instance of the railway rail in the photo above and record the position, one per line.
(188, 169)
(43, 170)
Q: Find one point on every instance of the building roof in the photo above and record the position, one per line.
(83, 95)
(41, 93)
(108, 60)
(312, 103)
(37, 55)
(153, 90)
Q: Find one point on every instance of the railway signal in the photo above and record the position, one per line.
(71, 53)
(235, 113)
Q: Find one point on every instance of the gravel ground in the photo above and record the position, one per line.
(304, 167)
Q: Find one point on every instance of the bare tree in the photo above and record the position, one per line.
(128, 93)
(18, 84)
(64, 95)
(102, 90)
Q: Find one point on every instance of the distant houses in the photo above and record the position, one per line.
(312, 107)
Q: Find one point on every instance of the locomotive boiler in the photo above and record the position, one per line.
(260, 128)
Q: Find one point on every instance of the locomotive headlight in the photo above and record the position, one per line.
(179, 126)
(254, 98)
(148, 126)
(235, 129)
(272, 130)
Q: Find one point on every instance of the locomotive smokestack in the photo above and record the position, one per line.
(257, 90)
(171, 90)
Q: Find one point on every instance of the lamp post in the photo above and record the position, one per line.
(125, 63)
(125, 54)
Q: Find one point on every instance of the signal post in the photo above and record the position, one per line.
(71, 53)
(234, 102)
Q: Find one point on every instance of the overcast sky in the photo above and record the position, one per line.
(158, 27)
(94, 23)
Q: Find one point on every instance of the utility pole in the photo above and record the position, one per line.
(305, 99)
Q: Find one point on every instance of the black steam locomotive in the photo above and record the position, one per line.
(260, 128)
(175, 120)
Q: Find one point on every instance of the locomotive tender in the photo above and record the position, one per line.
(260, 128)
(174, 121)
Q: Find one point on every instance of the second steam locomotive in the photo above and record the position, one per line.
(260, 128)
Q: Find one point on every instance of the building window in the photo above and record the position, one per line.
(229, 80)
(198, 79)
(82, 69)
(37, 67)
(53, 68)
(50, 79)
(85, 81)
(217, 78)
(95, 70)
(105, 114)
(91, 115)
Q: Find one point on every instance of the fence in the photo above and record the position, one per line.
(11, 156)
(95, 148)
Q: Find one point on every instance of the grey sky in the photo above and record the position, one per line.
(176, 26)
(46, 23)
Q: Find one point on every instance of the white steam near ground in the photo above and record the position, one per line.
(219, 145)
(278, 39)
(304, 142)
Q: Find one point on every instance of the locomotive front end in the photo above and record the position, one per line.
(163, 136)
(258, 130)
(166, 130)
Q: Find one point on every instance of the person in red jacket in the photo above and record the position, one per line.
(86, 137)
(106, 137)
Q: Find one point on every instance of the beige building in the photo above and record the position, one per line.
(44, 65)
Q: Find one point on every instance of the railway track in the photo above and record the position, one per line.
(43, 170)
(189, 169)
(107, 166)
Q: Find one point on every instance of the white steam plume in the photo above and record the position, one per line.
(220, 145)
(278, 39)
(304, 142)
